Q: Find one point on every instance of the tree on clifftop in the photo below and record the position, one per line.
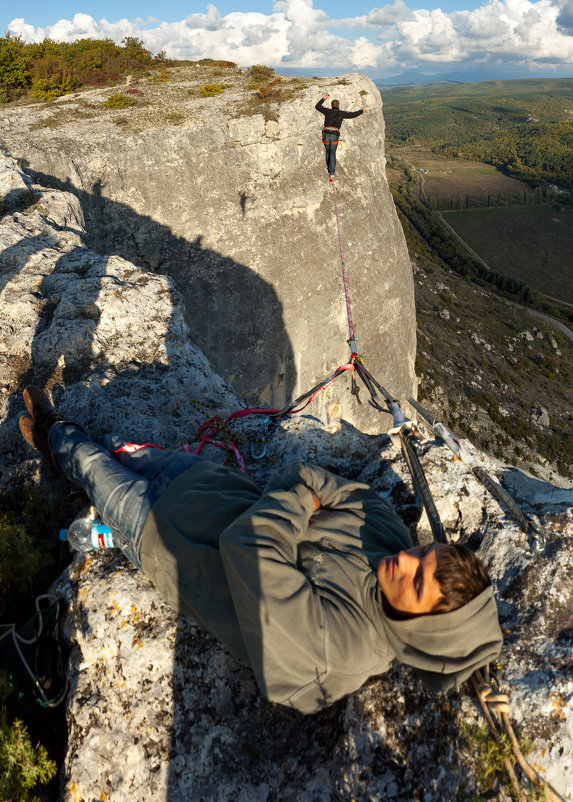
(14, 67)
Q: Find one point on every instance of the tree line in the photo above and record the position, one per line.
(48, 69)
(458, 201)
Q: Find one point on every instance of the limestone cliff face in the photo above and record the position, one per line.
(159, 711)
(237, 209)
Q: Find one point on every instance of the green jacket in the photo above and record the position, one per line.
(295, 594)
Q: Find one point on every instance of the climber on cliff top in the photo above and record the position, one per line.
(313, 581)
(331, 131)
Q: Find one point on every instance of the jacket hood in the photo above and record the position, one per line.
(446, 648)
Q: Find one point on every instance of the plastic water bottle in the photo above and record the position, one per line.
(87, 532)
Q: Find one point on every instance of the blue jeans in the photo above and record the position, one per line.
(330, 142)
(123, 488)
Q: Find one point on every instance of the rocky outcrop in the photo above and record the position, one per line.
(158, 710)
(233, 203)
(73, 318)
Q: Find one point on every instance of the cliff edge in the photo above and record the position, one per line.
(229, 196)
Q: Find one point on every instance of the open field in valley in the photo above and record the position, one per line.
(531, 243)
(456, 177)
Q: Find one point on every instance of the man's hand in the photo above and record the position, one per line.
(364, 108)
(325, 97)
(315, 502)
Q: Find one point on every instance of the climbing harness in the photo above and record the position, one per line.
(330, 128)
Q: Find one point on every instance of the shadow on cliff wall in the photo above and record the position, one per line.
(234, 315)
(129, 397)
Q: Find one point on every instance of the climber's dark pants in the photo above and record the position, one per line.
(122, 487)
(330, 142)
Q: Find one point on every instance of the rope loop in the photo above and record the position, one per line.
(493, 700)
(499, 702)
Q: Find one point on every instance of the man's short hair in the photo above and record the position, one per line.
(461, 577)
(335, 104)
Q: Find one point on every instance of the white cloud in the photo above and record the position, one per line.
(390, 14)
(366, 54)
(298, 35)
(211, 21)
(565, 16)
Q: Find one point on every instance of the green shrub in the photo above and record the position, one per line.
(21, 559)
(53, 87)
(210, 90)
(118, 101)
(29, 523)
(22, 766)
(134, 50)
(210, 62)
(161, 76)
(260, 73)
(175, 118)
(52, 69)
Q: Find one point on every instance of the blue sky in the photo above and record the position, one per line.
(493, 38)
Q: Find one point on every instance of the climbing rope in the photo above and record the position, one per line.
(216, 431)
(352, 338)
(27, 648)
(495, 707)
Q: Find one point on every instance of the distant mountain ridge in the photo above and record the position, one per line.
(445, 87)
(414, 77)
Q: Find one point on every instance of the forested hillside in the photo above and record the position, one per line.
(540, 151)
(523, 127)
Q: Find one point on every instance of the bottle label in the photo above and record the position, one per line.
(101, 536)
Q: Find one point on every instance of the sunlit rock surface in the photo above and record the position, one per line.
(158, 710)
(234, 204)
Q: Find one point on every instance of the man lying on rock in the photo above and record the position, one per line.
(313, 581)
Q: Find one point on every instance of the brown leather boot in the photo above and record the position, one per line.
(35, 426)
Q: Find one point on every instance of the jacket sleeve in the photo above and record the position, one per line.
(281, 616)
(349, 114)
(330, 488)
(318, 106)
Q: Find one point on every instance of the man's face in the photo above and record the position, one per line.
(407, 579)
